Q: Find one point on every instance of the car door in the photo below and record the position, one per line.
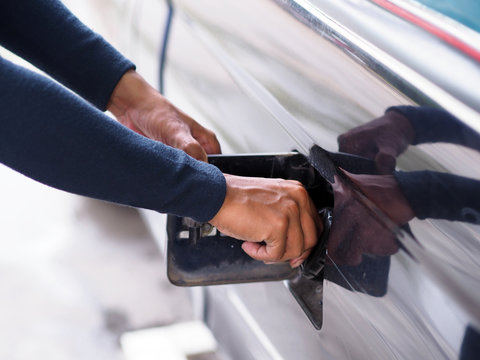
(281, 76)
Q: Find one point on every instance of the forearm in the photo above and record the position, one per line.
(52, 136)
(48, 35)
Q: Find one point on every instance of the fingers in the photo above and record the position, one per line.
(141, 108)
(191, 146)
(295, 240)
(312, 226)
(299, 260)
(259, 252)
(187, 135)
(178, 132)
(277, 212)
(207, 139)
(155, 117)
(275, 245)
(198, 141)
(203, 136)
(293, 231)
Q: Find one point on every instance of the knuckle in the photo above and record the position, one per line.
(280, 222)
(211, 134)
(300, 189)
(194, 150)
(292, 208)
(295, 183)
(300, 194)
(190, 147)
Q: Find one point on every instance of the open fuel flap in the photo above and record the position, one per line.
(198, 254)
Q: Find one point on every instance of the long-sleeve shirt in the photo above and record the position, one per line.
(64, 140)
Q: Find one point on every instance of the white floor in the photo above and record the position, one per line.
(75, 275)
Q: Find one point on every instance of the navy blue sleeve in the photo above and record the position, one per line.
(48, 35)
(436, 125)
(55, 137)
(438, 195)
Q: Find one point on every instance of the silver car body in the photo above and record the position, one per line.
(277, 75)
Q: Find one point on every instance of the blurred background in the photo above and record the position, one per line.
(77, 273)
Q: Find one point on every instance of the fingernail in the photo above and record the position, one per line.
(296, 263)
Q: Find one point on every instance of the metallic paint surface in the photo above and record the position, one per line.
(262, 79)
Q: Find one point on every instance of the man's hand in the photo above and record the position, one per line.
(382, 140)
(141, 108)
(276, 211)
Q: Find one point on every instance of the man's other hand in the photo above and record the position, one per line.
(141, 108)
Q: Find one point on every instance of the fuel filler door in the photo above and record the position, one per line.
(198, 254)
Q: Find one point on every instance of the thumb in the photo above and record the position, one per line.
(254, 250)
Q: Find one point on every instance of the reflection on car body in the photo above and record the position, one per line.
(426, 194)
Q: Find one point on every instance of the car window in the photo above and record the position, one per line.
(466, 12)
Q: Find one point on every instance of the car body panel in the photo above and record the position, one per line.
(275, 76)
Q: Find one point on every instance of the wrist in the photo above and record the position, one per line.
(130, 91)
(229, 180)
